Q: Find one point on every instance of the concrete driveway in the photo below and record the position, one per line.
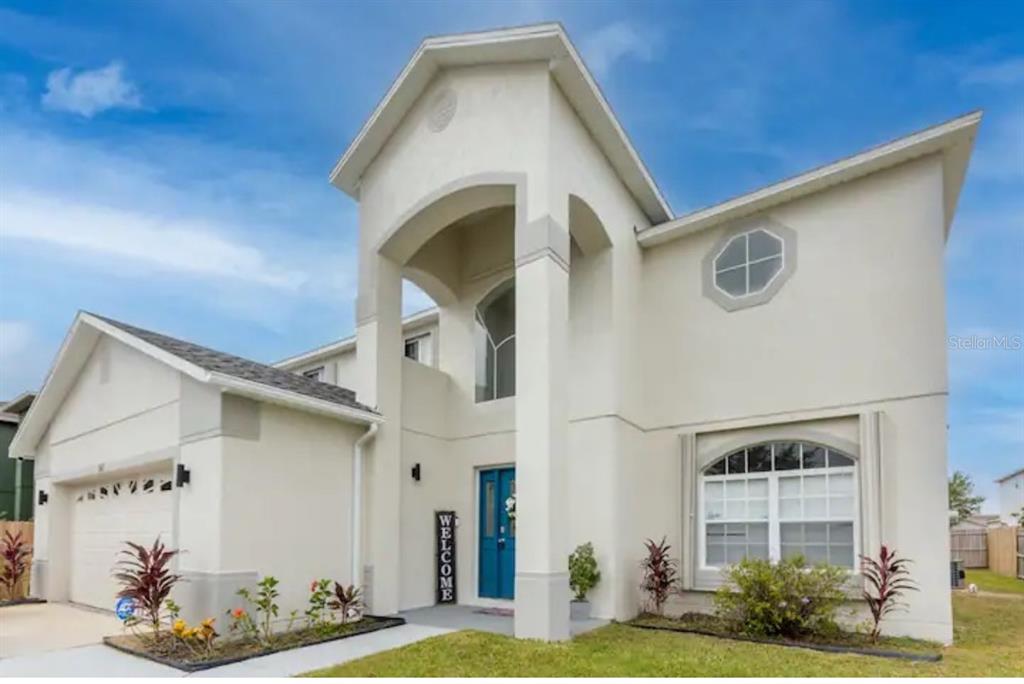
(61, 640)
(40, 627)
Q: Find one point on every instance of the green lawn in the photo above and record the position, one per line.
(989, 643)
(1000, 584)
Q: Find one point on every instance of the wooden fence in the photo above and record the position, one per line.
(969, 546)
(14, 526)
(1020, 553)
(1002, 550)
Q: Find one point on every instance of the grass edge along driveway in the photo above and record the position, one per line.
(989, 633)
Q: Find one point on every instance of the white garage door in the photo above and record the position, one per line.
(106, 514)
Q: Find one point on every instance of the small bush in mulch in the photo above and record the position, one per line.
(166, 649)
(835, 641)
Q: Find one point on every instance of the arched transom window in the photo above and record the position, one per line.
(778, 500)
(496, 343)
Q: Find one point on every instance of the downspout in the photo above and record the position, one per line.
(357, 504)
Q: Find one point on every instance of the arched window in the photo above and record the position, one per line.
(778, 500)
(496, 343)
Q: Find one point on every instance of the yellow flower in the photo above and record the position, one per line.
(179, 626)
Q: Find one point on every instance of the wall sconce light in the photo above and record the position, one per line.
(43, 498)
(182, 475)
(416, 472)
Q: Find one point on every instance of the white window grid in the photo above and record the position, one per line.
(748, 262)
(752, 515)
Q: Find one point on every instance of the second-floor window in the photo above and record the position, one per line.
(496, 343)
(314, 373)
(412, 349)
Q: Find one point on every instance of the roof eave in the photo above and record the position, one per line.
(953, 139)
(255, 390)
(530, 43)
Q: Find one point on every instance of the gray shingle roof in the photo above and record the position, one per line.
(228, 364)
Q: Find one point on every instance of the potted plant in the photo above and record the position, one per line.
(583, 576)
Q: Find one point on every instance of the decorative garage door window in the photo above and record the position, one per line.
(778, 500)
(136, 486)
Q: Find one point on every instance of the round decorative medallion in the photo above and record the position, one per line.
(442, 109)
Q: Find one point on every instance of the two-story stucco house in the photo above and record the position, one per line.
(1011, 498)
(762, 377)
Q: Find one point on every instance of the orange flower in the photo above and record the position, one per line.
(238, 613)
(312, 586)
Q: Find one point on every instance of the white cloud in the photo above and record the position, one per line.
(1002, 73)
(166, 243)
(614, 42)
(90, 92)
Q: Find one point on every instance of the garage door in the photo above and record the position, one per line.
(106, 514)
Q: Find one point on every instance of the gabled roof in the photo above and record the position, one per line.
(348, 344)
(953, 139)
(543, 42)
(1010, 476)
(230, 373)
(12, 411)
(19, 404)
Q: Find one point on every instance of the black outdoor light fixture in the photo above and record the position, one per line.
(42, 498)
(416, 472)
(183, 475)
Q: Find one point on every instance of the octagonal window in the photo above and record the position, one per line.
(748, 263)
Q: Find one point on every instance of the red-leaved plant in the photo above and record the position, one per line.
(347, 600)
(885, 581)
(14, 550)
(145, 578)
(659, 573)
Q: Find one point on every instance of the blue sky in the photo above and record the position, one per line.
(166, 162)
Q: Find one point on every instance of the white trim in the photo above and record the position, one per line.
(954, 139)
(747, 262)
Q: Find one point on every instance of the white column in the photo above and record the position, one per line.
(379, 356)
(542, 322)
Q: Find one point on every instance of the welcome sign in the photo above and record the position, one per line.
(445, 556)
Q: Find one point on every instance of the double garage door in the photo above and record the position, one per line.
(137, 508)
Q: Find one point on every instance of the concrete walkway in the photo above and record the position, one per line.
(472, 617)
(103, 661)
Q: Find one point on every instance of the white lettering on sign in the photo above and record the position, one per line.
(446, 521)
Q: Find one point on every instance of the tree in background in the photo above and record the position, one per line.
(961, 497)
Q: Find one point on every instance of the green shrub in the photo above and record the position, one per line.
(583, 572)
(786, 598)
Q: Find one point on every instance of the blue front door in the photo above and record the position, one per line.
(497, 534)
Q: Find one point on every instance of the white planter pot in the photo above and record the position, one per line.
(579, 610)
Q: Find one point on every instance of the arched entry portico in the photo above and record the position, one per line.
(420, 246)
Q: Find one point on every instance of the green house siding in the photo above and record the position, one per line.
(15, 480)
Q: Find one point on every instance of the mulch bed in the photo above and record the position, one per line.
(20, 601)
(843, 642)
(227, 652)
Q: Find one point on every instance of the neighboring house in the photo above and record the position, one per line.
(15, 473)
(978, 521)
(1011, 497)
(762, 377)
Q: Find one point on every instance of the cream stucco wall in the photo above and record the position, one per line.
(120, 416)
(857, 331)
(286, 501)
